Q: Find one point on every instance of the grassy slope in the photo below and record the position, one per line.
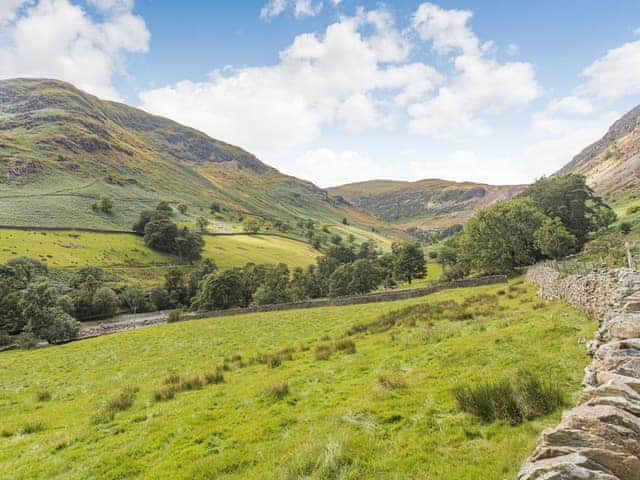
(78, 249)
(61, 148)
(336, 423)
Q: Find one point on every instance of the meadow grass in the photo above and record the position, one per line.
(382, 408)
(125, 252)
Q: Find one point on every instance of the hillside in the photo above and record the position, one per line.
(380, 407)
(612, 164)
(61, 148)
(425, 204)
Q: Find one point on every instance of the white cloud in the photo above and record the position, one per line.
(636, 31)
(330, 168)
(572, 105)
(9, 9)
(77, 49)
(112, 5)
(345, 74)
(301, 8)
(513, 49)
(615, 75)
(480, 84)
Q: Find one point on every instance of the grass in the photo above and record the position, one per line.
(126, 255)
(332, 420)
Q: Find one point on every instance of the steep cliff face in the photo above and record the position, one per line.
(613, 162)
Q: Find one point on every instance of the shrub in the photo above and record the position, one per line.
(43, 396)
(625, 228)
(176, 315)
(26, 341)
(277, 391)
(345, 345)
(323, 352)
(5, 339)
(172, 379)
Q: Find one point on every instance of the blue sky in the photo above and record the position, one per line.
(339, 91)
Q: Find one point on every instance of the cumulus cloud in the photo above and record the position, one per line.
(329, 168)
(300, 8)
(356, 73)
(77, 48)
(615, 75)
(480, 84)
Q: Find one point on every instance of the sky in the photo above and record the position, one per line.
(338, 91)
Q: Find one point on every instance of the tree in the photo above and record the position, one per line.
(500, 238)
(11, 318)
(553, 240)
(365, 276)
(571, 200)
(26, 269)
(175, 286)
(251, 226)
(104, 204)
(408, 261)
(204, 268)
(45, 319)
(160, 234)
(219, 291)
(345, 221)
(133, 298)
(164, 208)
(105, 303)
(145, 217)
(188, 245)
(625, 228)
(182, 208)
(202, 223)
(340, 281)
(297, 285)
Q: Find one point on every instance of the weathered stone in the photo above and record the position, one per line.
(565, 467)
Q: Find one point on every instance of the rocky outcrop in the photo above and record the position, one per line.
(600, 438)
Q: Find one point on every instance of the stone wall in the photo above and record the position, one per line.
(131, 322)
(600, 438)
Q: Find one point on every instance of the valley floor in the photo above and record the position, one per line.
(383, 411)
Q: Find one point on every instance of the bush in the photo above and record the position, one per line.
(538, 397)
(26, 341)
(625, 228)
(105, 302)
(61, 328)
(273, 361)
(176, 315)
(277, 391)
(194, 382)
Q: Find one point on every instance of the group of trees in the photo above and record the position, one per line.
(30, 303)
(163, 235)
(342, 271)
(552, 218)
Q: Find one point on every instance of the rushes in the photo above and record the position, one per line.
(513, 400)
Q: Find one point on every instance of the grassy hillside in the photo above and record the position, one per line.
(61, 148)
(127, 255)
(429, 203)
(383, 411)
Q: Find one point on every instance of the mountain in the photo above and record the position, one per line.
(61, 148)
(425, 204)
(612, 164)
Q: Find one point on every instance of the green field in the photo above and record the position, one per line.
(339, 420)
(79, 249)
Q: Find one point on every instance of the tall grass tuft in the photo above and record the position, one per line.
(512, 400)
(277, 391)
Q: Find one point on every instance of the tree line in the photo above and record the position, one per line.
(550, 219)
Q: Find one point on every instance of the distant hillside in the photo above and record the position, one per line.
(61, 148)
(423, 204)
(612, 164)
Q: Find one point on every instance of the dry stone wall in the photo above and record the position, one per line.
(600, 438)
